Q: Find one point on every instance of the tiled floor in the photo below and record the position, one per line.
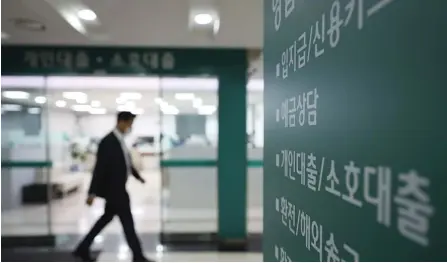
(187, 257)
(70, 216)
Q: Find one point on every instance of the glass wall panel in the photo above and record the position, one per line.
(26, 162)
(188, 112)
(82, 111)
(255, 149)
(51, 128)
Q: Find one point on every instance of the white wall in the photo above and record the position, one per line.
(18, 146)
(256, 112)
(33, 147)
(61, 123)
(211, 128)
(212, 125)
(259, 126)
(147, 125)
(100, 125)
(144, 125)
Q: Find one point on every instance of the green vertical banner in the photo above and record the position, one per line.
(355, 130)
(232, 155)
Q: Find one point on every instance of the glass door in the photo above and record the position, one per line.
(26, 162)
(188, 115)
(255, 150)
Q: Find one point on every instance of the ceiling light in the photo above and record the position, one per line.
(203, 19)
(120, 100)
(158, 100)
(170, 110)
(73, 95)
(81, 107)
(126, 107)
(138, 111)
(95, 103)
(161, 102)
(197, 102)
(61, 103)
(11, 107)
(206, 110)
(87, 14)
(184, 96)
(122, 108)
(40, 99)
(131, 95)
(98, 111)
(75, 22)
(33, 110)
(202, 112)
(164, 104)
(130, 105)
(81, 100)
(19, 95)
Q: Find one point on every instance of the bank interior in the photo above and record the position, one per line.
(56, 123)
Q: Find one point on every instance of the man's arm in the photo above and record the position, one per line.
(137, 174)
(99, 170)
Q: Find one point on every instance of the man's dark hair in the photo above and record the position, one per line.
(125, 116)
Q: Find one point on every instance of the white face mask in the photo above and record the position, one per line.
(128, 131)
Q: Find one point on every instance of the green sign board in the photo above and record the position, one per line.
(31, 60)
(355, 130)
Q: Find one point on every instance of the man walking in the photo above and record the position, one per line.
(113, 165)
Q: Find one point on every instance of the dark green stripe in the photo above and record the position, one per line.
(188, 163)
(27, 164)
(204, 163)
(163, 163)
(255, 163)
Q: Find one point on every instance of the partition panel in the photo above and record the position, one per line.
(189, 158)
(26, 165)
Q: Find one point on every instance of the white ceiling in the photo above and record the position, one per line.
(162, 23)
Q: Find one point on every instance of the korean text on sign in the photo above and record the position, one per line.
(315, 238)
(281, 255)
(325, 33)
(367, 185)
(83, 60)
(282, 8)
(307, 168)
(299, 110)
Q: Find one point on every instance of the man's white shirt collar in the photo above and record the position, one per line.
(126, 153)
(118, 134)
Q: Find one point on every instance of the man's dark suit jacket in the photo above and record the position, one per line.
(110, 172)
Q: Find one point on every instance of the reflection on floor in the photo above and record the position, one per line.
(71, 217)
(189, 257)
